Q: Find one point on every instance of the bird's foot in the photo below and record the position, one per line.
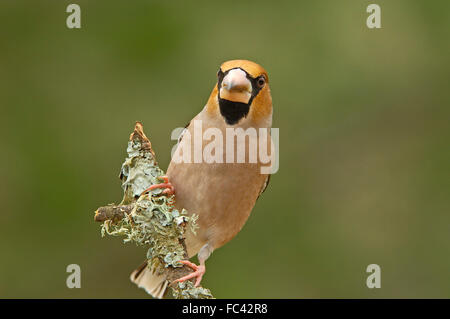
(169, 189)
(198, 273)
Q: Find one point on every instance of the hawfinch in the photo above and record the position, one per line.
(222, 193)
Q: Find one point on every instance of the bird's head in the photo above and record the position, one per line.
(242, 92)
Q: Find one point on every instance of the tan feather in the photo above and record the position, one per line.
(153, 283)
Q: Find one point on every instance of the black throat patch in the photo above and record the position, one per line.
(233, 111)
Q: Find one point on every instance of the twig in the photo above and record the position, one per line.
(112, 212)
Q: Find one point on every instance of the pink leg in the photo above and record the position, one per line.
(169, 189)
(198, 273)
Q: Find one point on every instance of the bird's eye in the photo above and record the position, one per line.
(261, 81)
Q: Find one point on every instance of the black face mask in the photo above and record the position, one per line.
(233, 112)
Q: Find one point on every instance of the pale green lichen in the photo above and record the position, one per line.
(138, 172)
(193, 223)
(154, 222)
(186, 290)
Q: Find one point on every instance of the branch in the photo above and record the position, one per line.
(151, 219)
(112, 212)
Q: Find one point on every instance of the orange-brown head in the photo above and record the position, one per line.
(242, 92)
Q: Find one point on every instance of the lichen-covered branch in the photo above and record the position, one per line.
(151, 220)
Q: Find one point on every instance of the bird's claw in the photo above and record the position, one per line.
(198, 273)
(169, 189)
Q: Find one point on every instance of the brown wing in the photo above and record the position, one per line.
(266, 183)
(182, 133)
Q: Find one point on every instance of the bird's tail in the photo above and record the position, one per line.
(154, 283)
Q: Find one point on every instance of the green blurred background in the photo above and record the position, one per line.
(364, 141)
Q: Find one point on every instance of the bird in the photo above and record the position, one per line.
(221, 194)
